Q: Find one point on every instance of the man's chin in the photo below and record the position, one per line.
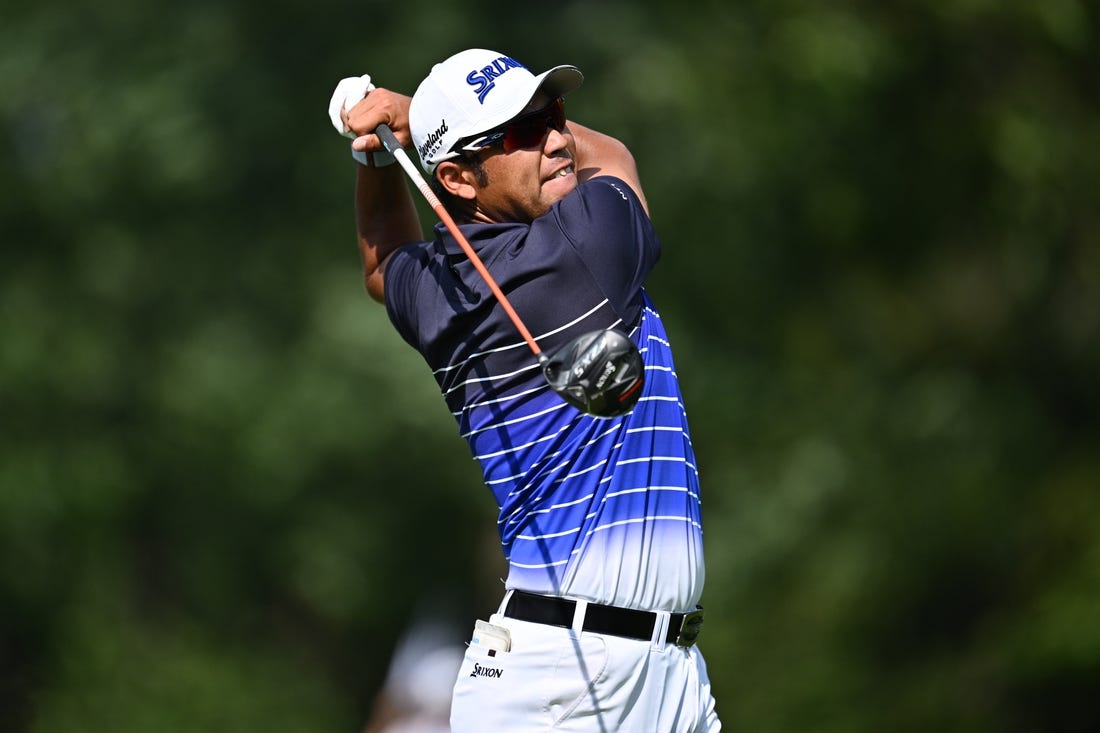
(559, 187)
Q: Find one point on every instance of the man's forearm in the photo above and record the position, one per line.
(385, 219)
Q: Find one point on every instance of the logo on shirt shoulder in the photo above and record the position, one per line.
(480, 671)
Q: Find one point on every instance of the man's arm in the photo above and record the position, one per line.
(598, 154)
(385, 217)
(385, 220)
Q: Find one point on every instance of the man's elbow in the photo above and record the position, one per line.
(374, 268)
(375, 286)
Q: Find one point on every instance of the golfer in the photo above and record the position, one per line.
(599, 517)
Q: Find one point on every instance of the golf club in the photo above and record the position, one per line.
(600, 372)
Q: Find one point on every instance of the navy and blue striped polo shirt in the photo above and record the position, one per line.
(601, 509)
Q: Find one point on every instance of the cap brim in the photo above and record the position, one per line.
(557, 82)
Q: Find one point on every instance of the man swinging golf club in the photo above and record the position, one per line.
(528, 306)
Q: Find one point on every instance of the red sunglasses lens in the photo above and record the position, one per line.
(530, 130)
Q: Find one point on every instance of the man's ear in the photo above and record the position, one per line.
(457, 179)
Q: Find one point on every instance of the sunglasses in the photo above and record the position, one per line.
(525, 131)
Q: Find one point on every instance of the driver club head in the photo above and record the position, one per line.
(600, 372)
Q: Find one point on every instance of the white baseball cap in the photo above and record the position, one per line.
(473, 92)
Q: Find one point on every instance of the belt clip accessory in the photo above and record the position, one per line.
(690, 628)
(579, 612)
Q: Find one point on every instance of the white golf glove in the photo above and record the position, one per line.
(348, 93)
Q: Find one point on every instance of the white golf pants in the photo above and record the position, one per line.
(554, 679)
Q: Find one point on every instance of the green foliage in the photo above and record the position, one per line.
(225, 482)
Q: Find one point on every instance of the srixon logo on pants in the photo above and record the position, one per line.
(484, 79)
(480, 671)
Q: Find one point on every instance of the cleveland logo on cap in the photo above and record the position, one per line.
(482, 80)
(429, 145)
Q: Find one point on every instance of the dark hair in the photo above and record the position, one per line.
(459, 208)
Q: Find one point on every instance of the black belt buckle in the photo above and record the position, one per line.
(690, 627)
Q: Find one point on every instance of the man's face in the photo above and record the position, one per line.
(523, 184)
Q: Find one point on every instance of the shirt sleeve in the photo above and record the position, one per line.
(607, 226)
(402, 280)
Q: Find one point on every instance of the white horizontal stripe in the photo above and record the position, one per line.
(525, 446)
(578, 550)
(580, 318)
(658, 428)
(657, 518)
(562, 479)
(563, 464)
(646, 459)
(660, 340)
(525, 418)
(550, 536)
(677, 489)
(523, 343)
(588, 497)
(556, 481)
(680, 489)
(517, 345)
(664, 428)
(538, 566)
(659, 398)
(563, 505)
(555, 454)
(588, 469)
(492, 377)
(583, 471)
(506, 398)
(533, 467)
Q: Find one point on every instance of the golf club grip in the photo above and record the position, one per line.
(389, 141)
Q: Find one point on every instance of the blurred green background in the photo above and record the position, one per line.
(226, 484)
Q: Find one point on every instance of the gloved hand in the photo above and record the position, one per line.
(348, 93)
